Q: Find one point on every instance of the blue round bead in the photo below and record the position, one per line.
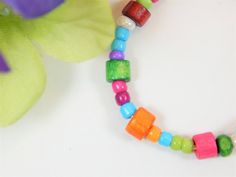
(122, 33)
(118, 45)
(127, 110)
(165, 139)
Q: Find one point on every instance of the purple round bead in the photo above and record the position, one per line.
(116, 55)
(122, 98)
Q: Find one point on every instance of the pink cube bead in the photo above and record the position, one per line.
(155, 1)
(206, 146)
(119, 86)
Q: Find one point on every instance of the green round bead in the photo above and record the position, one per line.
(187, 146)
(225, 145)
(176, 143)
(146, 3)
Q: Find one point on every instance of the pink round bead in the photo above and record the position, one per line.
(122, 98)
(206, 146)
(119, 86)
(154, 1)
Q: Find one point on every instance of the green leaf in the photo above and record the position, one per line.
(75, 31)
(19, 89)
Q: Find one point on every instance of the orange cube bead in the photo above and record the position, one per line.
(141, 123)
(154, 134)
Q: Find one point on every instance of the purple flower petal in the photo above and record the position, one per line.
(33, 8)
(4, 68)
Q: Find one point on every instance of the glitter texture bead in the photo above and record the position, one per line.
(122, 98)
(117, 70)
(116, 55)
(118, 45)
(146, 3)
(137, 12)
(119, 86)
(140, 124)
(187, 146)
(122, 33)
(126, 22)
(177, 142)
(154, 134)
(127, 110)
(225, 145)
(165, 139)
(205, 145)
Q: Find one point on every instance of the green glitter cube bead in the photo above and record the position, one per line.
(117, 70)
(225, 145)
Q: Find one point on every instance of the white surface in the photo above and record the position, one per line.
(184, 71)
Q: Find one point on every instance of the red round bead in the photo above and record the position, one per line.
(137, 12)
(122, 98)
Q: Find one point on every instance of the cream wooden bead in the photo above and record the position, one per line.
(233, 137)
(126, 22)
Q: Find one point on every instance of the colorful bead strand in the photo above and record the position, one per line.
(141, 121)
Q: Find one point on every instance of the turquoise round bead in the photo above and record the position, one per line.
(127, 110)
(165, 139)
(119, 45)
(122, 33)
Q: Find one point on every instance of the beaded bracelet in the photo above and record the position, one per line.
(141, 126)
